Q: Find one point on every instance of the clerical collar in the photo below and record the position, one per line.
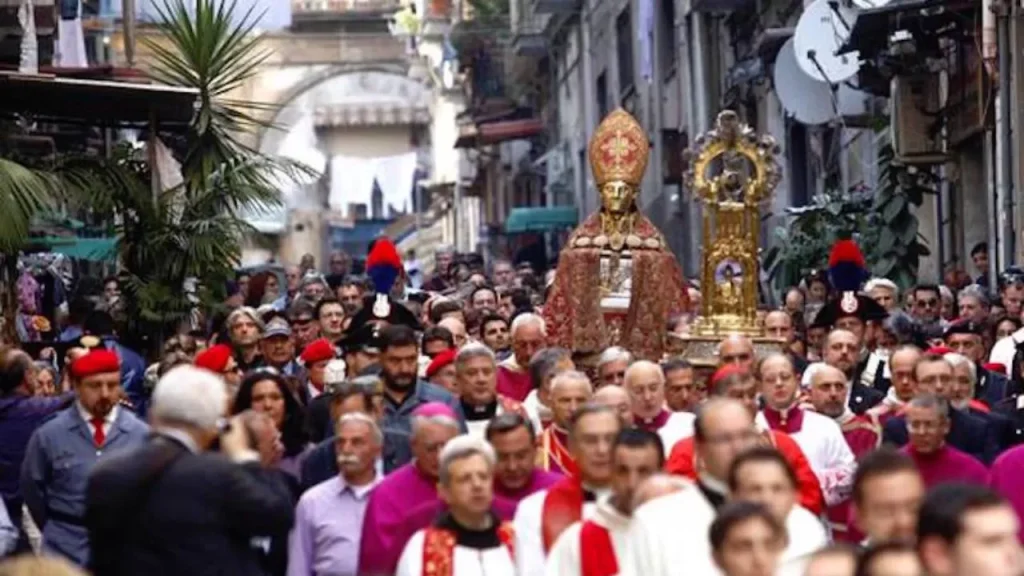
(713, 490)
(655, 424)
(790, 420)
(469, 538)
(475, 412)
(891, 399)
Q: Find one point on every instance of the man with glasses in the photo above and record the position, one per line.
(933, 374)
(305, 328)
(818, 435)
(928, 425)
(965, 338)
(926, 304)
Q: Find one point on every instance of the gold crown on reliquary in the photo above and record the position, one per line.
(619, 149)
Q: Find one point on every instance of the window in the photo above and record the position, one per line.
(602, 95)
(668, 35)
(624, 51)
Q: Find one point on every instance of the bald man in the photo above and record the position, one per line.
(645, 383)
(863, 434)
(616, 397)
(737, 349)
(669, 535)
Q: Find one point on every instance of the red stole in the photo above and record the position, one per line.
(439, 549)
(597, 554)
(554, 455)
(864, 435)
(563, 506)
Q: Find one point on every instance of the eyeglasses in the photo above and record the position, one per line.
(931, 303)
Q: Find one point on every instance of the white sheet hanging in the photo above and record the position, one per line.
(351, 183)
(395, 176)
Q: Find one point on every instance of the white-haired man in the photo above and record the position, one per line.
(569, 390)
(645, 383)
(612, 365)
(397, 499)
(883, 291)
(138, 500)
(329, 517)
(467, 538)
(528, 334)
(477, 384)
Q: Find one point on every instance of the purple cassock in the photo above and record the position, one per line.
(539, 480)
(404, 502)
(1005, 477)
(948, 464)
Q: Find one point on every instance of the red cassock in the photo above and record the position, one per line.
(863, 434)
(682, 462)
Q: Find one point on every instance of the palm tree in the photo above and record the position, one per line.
(193, 230)
(24, 193)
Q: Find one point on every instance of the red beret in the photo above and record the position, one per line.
(214, 358)
(318, 351)
(995, 367)
(939, 350)
(440, 361)
(96, 362)
(724, 372)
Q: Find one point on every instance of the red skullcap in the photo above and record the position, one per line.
(318, 351)
(440, 361)
(724, 372)
(214, 358)
(939, 350)
(96, 362)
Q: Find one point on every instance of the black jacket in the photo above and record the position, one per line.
(967, 433)
(863, 398)
(197, 516)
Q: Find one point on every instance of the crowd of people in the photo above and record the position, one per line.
(352, 424)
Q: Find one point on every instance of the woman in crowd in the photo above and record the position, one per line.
(266, 390)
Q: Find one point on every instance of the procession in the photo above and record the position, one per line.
(610, 419)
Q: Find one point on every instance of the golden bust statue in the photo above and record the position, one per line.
(617, 282)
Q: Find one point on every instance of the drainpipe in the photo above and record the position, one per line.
(1004, 140)
(657, 116)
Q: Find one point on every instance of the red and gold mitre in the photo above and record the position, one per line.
(619, 149)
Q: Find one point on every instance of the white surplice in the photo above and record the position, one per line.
(466, 561)
(678, 427)
(822, 442)
(530, 556)
(565, 558)
(668, 536)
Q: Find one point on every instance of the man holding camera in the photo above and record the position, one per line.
(173, 506)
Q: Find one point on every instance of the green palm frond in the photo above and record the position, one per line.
(24, 193)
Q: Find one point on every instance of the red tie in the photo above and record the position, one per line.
(98, 436)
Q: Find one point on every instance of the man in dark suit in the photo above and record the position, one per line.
(841, 350)
(169, 506)
(933, 374)
(965, 337)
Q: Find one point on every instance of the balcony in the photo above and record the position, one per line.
(556, 6)
(528, 38)
(326, 10)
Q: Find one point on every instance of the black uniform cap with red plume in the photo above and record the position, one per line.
(383, 266)
(847, 271)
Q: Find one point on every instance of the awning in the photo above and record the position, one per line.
(385, 114)
(497, 132)
(924, 19)
(522, 220)
(92, 249)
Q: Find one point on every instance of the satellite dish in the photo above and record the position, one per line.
(807, 100)
(869, 4)
(822, 29)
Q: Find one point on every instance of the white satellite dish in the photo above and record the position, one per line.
(821, 31)
(807, 100)
(869, 4)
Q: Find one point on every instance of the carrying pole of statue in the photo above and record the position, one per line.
(733, 173)
(617, 281)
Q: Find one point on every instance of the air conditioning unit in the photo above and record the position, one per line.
(914, 135)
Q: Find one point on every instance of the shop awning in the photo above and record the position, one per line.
(92, 249)
(497, 132)
(541, 219)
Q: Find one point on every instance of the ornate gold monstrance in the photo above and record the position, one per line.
(732, 173)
